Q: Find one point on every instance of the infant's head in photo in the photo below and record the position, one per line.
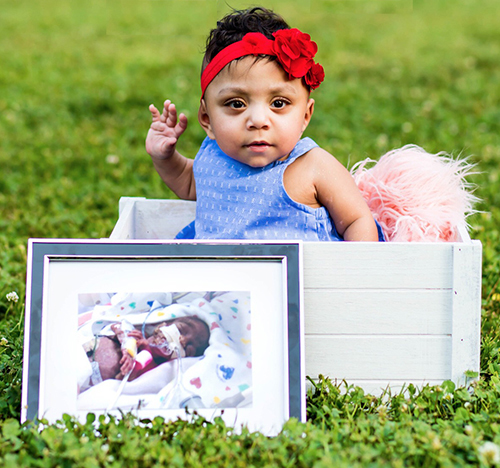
(191, 332)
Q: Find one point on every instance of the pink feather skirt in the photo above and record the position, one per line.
(416, 196)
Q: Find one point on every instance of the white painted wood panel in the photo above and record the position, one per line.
(364, 357)
(377, 311)
(364, 265)
(125, 226)
(375, 314)
(160, 219)
(466, 296)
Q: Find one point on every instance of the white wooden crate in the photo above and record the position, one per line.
(376, 314)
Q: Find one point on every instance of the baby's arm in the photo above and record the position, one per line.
(174, 169)
(126, 360)
(336, 190)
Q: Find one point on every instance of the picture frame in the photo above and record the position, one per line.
(67, 280)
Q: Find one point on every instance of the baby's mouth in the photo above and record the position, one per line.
(258, 145)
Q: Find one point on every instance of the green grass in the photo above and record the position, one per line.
(76, 78)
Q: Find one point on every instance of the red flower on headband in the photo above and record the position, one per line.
(295, 51)
(315, 76)
(254, 42)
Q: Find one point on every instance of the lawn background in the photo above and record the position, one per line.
(76, 79)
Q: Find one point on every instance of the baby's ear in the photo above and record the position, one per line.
(308, 114)
(190, 351)
(204, 120)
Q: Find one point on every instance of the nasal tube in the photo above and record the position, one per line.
(173, 337)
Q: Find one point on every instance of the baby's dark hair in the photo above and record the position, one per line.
(235, 25)
(203, 339)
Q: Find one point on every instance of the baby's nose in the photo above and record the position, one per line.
(258, 117)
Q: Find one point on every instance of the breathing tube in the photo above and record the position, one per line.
(143, 358)
(178, 396)
(128, 345)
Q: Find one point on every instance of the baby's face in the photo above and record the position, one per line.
(254, 112)
(193, 334)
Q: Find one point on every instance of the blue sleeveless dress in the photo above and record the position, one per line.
(237, 201)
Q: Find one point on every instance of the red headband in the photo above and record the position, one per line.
(293, 49)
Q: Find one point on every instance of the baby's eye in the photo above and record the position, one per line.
(279, 103)
(236, 104)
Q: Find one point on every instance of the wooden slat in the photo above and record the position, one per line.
(124, 227)
(377, 311)
(379, 357)
(466, 310)
(463, 234)
(162, 219)
(360, 265)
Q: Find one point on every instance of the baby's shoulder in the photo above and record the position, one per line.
(316, 170)
(316, 159)
(313, 175)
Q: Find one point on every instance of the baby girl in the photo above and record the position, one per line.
(255, 177)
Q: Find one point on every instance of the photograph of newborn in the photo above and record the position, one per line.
(166, 350)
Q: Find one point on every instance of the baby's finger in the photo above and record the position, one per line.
(166, 109)
(181, 125)
(183, 122)
(172, 116)
(155, 113)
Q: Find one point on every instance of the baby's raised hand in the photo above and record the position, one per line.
(164, 131)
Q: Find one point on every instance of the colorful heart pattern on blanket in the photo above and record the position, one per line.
(226, 372)
(196, 382)
(230, 350)
(225, 369)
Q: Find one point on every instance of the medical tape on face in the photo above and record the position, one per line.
(173, 337)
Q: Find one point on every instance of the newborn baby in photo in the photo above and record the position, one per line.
(128, 351)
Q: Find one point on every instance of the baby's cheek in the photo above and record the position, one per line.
(158, 340)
